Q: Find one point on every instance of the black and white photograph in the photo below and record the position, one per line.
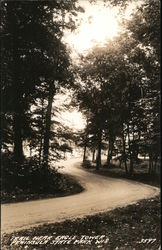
(80, 124)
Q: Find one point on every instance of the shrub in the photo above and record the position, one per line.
(30, 177)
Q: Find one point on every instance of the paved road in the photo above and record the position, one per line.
(101, 194)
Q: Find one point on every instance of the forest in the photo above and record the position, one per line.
(116, 88)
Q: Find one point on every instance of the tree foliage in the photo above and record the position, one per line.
(118, 89)
(35, 65)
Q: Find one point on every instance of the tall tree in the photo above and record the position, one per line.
(32, 54)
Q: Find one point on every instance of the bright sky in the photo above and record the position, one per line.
(73, 119)
(98, 24)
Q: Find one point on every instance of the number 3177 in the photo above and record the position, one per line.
(147, 241)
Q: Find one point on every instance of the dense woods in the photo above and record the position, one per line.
(116, 87)
(35, 65)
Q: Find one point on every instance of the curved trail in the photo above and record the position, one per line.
(100, 194)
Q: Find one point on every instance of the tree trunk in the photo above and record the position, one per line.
(93, 156)
(135, 148)
(48, 123)
(108, 156)
(130, 153)
(85, 148)
(124, 154)
(42, 131)
(17, 106)
(131, 167)
(98, 160)
(110, 151)
(30, 152)
(40, 150)
(150, 166)
(150, 163)
(18, 148)
(84, 154)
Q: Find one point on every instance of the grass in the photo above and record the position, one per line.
(32, 181)
(122, 228)
(140, 172)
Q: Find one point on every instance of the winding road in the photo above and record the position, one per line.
(100, 194)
